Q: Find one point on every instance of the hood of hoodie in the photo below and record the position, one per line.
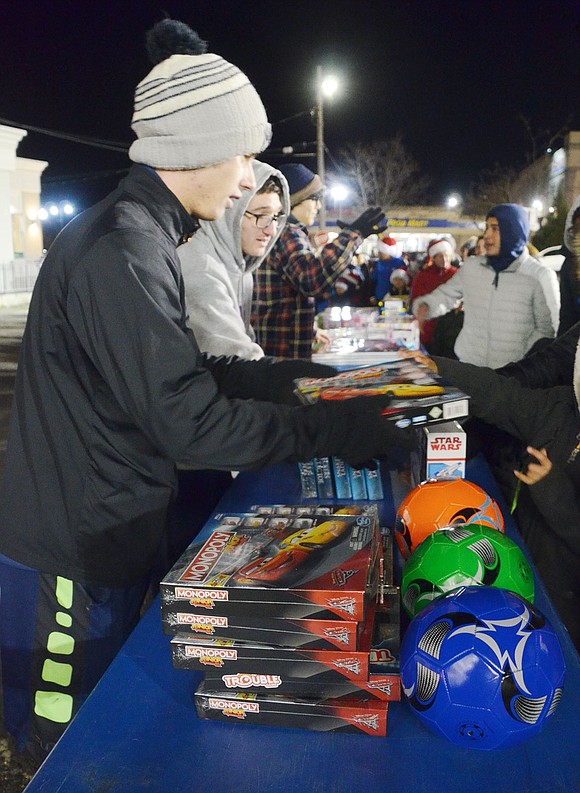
(514, 229)
(568, 225)
(221, 238)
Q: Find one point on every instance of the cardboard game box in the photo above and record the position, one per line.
(313, 634)
(383, 680)
(295, 566)
(226, 657)
(418, 395)
(278, 710)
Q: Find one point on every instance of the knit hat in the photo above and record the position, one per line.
(302, 182)
(439, 246)
(399, 273)
(389, 246)
(193, 109)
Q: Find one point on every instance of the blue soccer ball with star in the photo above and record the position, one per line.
(482, 667)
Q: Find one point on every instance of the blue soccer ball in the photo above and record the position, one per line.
(482, 667)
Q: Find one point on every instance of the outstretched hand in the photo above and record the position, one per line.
(535, 471)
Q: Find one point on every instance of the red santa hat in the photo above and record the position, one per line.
(439, 246)
(389, 245)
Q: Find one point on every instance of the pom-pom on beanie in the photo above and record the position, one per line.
(302, 182)
(193, 109)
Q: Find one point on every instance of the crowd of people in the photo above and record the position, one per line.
(165, 331)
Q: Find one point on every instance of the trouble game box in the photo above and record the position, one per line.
(277, 710)
(418, 395)
(274, 566)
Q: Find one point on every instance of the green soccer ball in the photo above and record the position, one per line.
(464, 554)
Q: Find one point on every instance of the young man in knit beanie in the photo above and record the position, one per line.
(293, 275)
(112, 391)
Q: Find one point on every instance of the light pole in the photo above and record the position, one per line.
(325, 86)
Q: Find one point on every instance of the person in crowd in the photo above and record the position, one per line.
(112, 390)
(389, 259)
(437, 271)
(536, 401)
(479, 249)
(220, 260)
(510, 300)
(293, 275)
(399, 286)
(467, 249)
(570, 270)
(354, 287)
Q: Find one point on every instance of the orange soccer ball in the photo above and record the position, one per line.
(435, 504)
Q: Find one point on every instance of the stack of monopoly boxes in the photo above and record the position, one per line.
(419, 398)
(291, 613)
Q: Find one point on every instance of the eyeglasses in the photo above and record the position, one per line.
(263, 221)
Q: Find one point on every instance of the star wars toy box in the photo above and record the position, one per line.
(368, 717)
(292, 566)
(418, 396)
(441, 453)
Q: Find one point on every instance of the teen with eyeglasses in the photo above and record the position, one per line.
(219, 263)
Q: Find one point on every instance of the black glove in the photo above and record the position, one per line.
(372, 221)
(282, 374)
(357, 431)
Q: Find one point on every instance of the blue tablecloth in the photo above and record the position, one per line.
(138, 730)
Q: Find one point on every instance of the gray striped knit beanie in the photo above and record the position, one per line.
(193, 109)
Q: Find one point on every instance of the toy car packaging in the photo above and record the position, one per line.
(277, 710)
(281, 566)
(418, 396)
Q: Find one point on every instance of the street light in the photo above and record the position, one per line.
(339, 193)
(453, 201)
(326, 86)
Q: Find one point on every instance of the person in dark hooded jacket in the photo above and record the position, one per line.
(510, 300)
(112, 391)
(570, 270)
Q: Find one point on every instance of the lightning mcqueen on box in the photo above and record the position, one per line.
(320, 567)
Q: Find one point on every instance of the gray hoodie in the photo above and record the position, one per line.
(219, 278)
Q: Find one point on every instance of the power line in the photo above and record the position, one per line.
(87, 141)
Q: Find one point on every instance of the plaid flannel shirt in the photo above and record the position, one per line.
(286, 284)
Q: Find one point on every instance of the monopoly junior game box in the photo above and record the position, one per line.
(418, 395)
(278, 710)
(295, 566)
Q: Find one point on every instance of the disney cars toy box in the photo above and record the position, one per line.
(418, 396)
(277, 566)
(278, 710)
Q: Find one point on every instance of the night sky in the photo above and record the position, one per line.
(451, 77)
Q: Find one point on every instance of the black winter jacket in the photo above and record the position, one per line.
(112, 390)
